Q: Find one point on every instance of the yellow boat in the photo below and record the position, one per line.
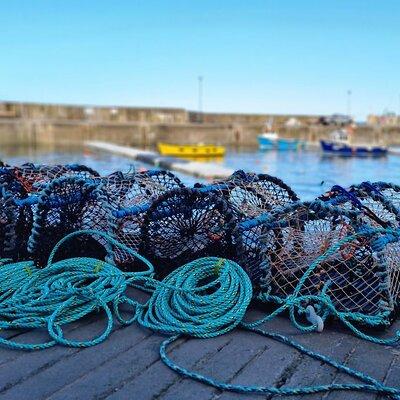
(191, 150)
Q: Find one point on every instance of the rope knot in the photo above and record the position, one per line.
(218, 266)
(98, 267)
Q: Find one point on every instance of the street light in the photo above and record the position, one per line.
(349, 103)
(200, 99)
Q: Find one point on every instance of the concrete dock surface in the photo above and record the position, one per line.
(197, 169)
(127, 365)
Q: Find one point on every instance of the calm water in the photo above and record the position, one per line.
(308, 172)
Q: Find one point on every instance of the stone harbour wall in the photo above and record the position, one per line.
(49, 124)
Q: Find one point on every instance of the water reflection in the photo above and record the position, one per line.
(308, 172)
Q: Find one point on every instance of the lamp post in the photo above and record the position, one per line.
(349, 103)
(398, 115)
(200, 119)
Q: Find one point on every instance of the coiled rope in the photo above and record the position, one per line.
(204, 298)
(196, 309)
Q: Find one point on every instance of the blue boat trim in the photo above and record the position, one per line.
(347, 150)
(279, 144)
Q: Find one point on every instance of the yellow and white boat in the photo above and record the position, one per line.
(191, 150)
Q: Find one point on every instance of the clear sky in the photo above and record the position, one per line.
(262, 56)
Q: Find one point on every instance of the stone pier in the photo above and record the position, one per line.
(52, 125)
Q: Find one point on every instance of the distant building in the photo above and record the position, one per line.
(293, 123)
(386, 119)
(336, 120)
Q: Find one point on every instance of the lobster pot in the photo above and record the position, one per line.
(35, 177)
(352, 276)
(244, 201)
(126, 190)
(275, 192)
(128, 231)
(390, 191)
(250, 251)
(298, 236)
(277, 248)
(389, 257)
(130, 196)
(250, 195)
(66, 205)
(15, 221)
(366, 287)
(377, 210)
(185, 224)
(158, 182)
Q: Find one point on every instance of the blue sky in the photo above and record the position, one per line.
(264, 56)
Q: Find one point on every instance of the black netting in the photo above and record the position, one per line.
(15, 221)
(186, 224)
(35, 177)
(277, 250)
(66, 205)
(376, 210)
(130, 195)
(250, 195)
(125, 190)
(274, 191)
(389, 191)
(159, 181)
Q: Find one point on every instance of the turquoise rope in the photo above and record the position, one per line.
(200, 310)
(204, 298)
(370, 385)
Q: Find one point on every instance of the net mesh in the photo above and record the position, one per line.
(124, 190)
(15, 223)
(274, 191)
(390, 191)
(159, 181)
(278, 250)
(186, 224)
(34, 177)
(377, 210)
(250, 195)
(66, 205)
(391, 258)
(130, 195)
(244, 201)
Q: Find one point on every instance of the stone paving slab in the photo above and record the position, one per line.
(127, 365)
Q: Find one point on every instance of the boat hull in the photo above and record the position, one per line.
(279, 144)
(352, 151)
(201, 150)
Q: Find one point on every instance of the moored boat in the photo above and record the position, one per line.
(339, 144)
(272, 141)
(191, 150)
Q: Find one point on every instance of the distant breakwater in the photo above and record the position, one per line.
(43, 124)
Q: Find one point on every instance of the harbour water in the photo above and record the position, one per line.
(308, 172)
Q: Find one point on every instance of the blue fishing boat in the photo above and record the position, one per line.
(339, 145)
(272, 141)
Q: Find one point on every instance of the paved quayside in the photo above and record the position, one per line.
(198, 169)
(127, 365)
